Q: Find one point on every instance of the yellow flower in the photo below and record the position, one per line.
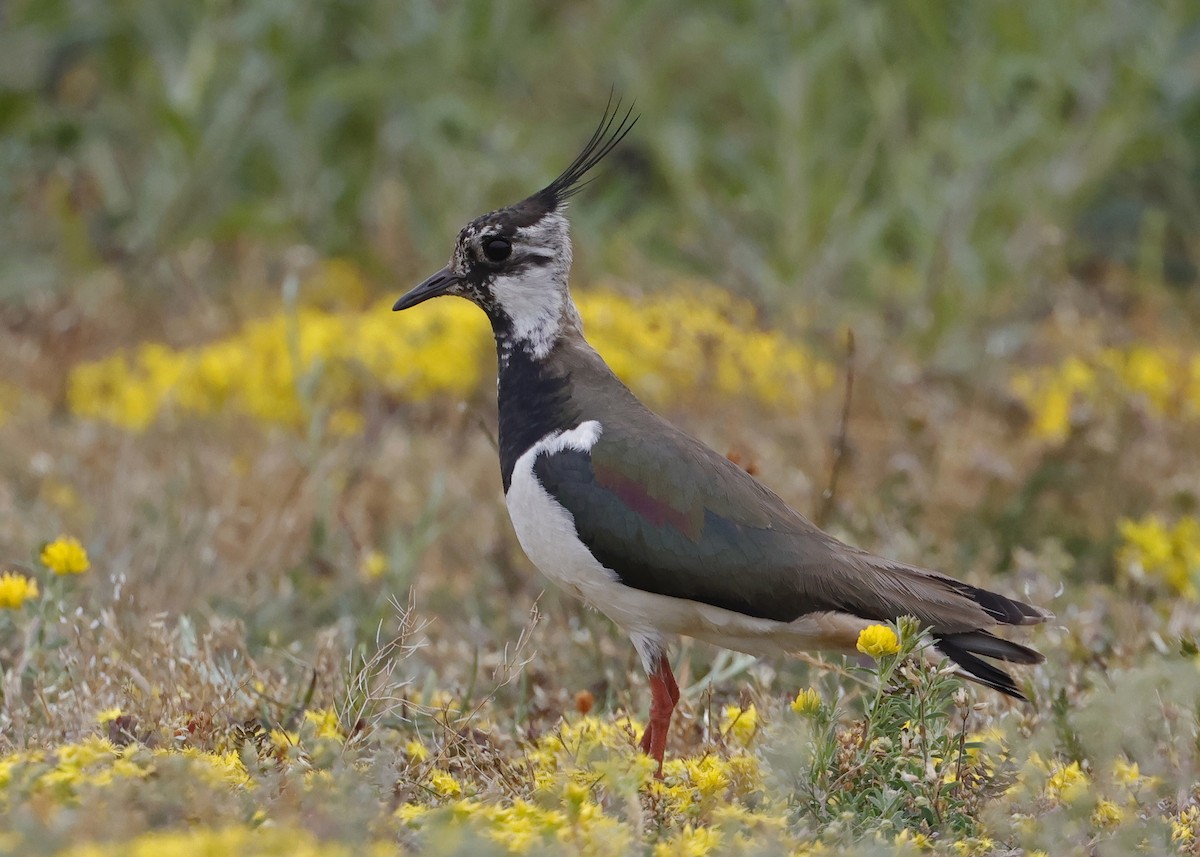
(740, 723)
(284, 740)
(65, 555)
(373, 565)
(416, 751)
(1107, 814)
(690, 842)
(1075, 375)
(444, 785)
(575, 797)
(326, 723)
(1126, 773)
(918, 841)
(1183, 826)
(807, 703)
(1067, 783)
(108, 715)
(972, 847)
(1148, 544)
(1150, 374)
(16, 589)
(408, 813)
(1129, 775)
(708, 775)
(1053, 414)
(878, 641)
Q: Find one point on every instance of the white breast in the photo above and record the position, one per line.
(545, 529)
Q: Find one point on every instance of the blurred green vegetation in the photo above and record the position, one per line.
(944, 162)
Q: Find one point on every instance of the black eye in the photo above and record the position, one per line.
(497, 249)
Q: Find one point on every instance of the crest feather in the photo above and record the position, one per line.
(604, 139)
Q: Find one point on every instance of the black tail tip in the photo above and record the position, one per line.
(964, 650)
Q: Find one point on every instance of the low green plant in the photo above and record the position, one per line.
(906, 762)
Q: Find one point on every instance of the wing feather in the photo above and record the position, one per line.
(668, 515)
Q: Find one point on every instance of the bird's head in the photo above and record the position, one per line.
(513, 262)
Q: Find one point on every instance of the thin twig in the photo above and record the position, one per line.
(839, 448)
(482, 424)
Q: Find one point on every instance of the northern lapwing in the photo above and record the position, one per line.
(646, 523)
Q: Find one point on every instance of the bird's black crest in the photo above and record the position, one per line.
(607, 135)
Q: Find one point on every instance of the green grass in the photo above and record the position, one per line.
(931, 162)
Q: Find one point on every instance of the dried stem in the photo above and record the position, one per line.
(829, 496)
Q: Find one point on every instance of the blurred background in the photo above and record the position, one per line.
(943, 169)
(206, 209)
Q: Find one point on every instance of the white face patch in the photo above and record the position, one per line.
(536, 299)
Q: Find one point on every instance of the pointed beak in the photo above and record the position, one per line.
(438, 284)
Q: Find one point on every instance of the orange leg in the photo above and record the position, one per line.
(664, 694)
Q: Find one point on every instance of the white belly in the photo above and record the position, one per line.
(546, 531)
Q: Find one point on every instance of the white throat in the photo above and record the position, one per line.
(538, 307)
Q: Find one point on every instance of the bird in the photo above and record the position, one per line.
(647, 524)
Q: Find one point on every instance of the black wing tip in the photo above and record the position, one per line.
(608, 134)
(963, 649)
(1005, 610)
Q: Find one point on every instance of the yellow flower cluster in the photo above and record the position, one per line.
(588, 770)
(1165, 381)
(97, 761)
(522, 825)
(578, 743)
(591, 792)
(1185, 825)
(699, 339)
(1151, 550)
(285, 368)
(65, 555)
(15, 590)
(807, 703)
(974, 847)
(740, 724)
(263, 841)
(108, 715)
(1069, 785)
(321, 723)
(878, 641)
(325, 722)
(690, 842)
